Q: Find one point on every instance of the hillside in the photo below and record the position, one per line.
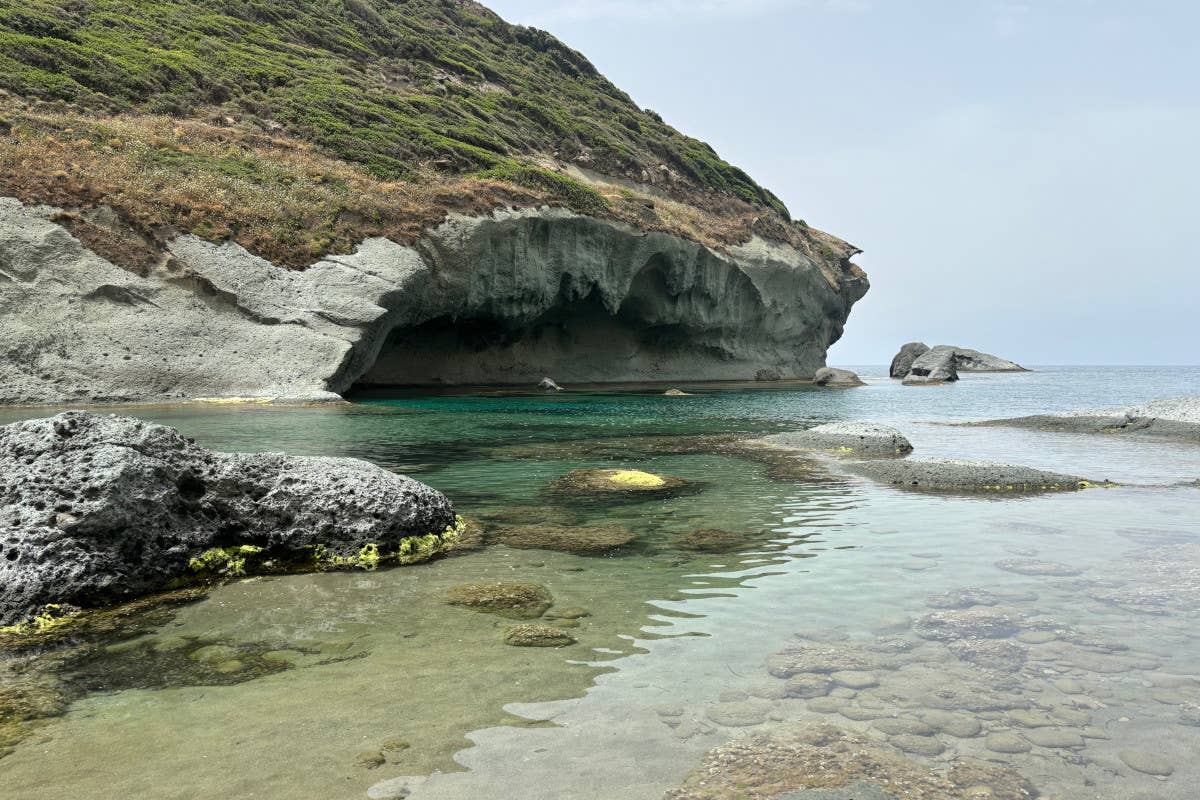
(299, 128)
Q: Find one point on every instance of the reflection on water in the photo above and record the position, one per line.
(1042, 642)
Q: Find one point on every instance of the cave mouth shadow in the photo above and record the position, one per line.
(674, 322)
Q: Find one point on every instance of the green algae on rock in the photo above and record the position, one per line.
(584, 540)
(537, 636)
(139, 508)
(513, 600)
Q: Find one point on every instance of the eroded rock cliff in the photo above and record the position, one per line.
(497, 299)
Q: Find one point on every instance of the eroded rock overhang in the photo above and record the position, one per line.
(499, 299)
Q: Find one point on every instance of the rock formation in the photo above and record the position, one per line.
(935, 366)
(498, 299)
(829, 376)
(950, 475)
(1177, 418)
(902, 363)
(99, 509)
(843, 438)
(919, 364)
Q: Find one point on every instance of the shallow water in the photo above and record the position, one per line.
(327, 675)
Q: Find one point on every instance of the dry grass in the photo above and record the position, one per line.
(282, 199)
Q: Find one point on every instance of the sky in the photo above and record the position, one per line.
(1021, 176)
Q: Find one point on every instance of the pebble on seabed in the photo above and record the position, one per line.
(1147, 763)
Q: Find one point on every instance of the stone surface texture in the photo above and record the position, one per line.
(830, 376)
(851, 438)
(918, 364)
(1176, 418)
(501, 299)
(97, 509)
(969, 476)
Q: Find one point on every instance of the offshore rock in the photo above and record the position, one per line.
(96, 509)
(933, 368)
(903, 361)
(505, 298)
(942, 363)
(829, 376)
(968, 360)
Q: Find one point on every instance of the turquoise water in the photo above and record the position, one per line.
(676, 654)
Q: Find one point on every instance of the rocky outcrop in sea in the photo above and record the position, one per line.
(918, 364)
(1177, 418)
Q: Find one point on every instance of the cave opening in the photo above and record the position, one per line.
(666, 328)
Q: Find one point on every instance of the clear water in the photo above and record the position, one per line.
(674, 658)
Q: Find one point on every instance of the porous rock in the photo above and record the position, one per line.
(96, 509)
(503, 598)
(537, 636)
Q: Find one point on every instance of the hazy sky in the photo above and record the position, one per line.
(1022, 176)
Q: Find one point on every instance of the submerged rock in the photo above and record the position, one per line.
(843, 438)
(616, 482)
(1032, 566)
(710, 540)
(972, 623)
(821, 762)
(537, 636)
(101, 509)
(1147, 763)
(829, 376)
(739, 714)
(513, 600)
(584, 540)
(948, 475)
(822, 659)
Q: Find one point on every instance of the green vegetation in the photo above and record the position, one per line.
(402, 88)
(229, 562)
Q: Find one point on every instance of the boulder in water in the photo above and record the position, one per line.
(627, 482)
(920, 365)
(829, 376)
(503, 598)
(934, 367)
(549, 385)
(102, 509)
(537, 636)
(584, 540)
(903, 361)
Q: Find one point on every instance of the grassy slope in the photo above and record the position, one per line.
(297, 126)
